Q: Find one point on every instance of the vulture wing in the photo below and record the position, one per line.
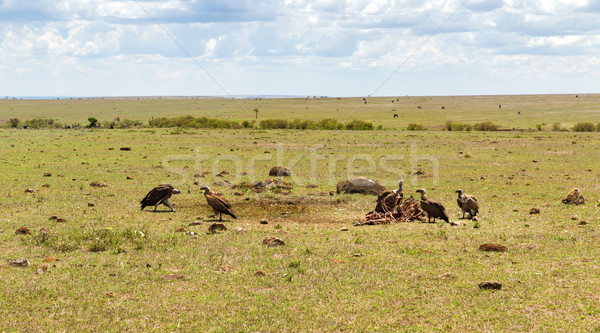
(156, 196)
(220, 204)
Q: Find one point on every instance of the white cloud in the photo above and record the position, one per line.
(66, 41)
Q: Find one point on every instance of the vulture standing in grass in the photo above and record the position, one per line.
(434, 209)
(467, 203)
(388, 200)
(218, 203)
(159, 195)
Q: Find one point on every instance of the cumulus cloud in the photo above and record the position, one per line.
(332, 40)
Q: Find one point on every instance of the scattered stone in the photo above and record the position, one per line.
(574, 197)
(109, 294)
(61, 220)
(47, 174)
(23, 231)
(125, 149)
(344, 229)
(583, 222)
(264, 222)
(226, 268)
(474, 219)
(312, 186)
(492, 247)
(273, 241)
(180, 229)
(29, 190)
(42, 270)
(190, 233)
(260, 273)
(216, 227)
(174, 277)
(238, 194)
(575, 218)
(50, 259)
(98, 184)
(53, 217)
(490, 285)
(280, 171)
(357, 255)
(129, 178)
(19, 262)
(534, 210)
(46, 185)
(91, 204)
(239, 230)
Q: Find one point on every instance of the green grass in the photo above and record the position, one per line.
(120, 269)
(534, 109)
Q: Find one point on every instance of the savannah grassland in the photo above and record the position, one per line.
(119, 269)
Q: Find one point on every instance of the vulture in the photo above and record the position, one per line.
(467, 203)
(218, 203)
(434, 209)
(388, 200)
(159, 195)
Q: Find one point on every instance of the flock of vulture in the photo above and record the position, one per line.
(387, 201)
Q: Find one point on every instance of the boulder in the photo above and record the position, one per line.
(280, 171)
(360, 185)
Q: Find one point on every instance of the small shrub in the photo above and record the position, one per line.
(14, 122)
(452, 126)
(539, 127)
(584, 127)
(416, 127)
(486, 126)
(93, 121)
(557, 127)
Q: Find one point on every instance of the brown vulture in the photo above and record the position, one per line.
(388, 200)
(467, 203)
(159, 195)
(433, 208)
(218, 203)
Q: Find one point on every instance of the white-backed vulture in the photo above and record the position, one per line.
(468, 204)
(159, 195)
(433, 208)
(218, 203)
(388, 200)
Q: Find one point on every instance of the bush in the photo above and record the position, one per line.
(14, 122)
(557, 127)
(451, 126)
(359, 125)
(93, 121)
(38, 123)
(486, 126)
(325, 124)
(584, 127)
(416, 127)
(191, 122)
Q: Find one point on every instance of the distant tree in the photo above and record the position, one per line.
(93, 121)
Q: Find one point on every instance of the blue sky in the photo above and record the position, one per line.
(298, 47)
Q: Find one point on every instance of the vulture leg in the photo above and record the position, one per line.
(168, 204)
(156, 207)
(463, 214)
(220, 216)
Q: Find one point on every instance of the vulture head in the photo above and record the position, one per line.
(400, 186)
(422, 191)
(173, 191)
(460, 192)
(206, 189)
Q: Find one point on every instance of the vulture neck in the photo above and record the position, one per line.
(424, 197)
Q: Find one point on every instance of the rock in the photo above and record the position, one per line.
(344, 229)
(49, 259)
(46, 185)
(490, 285)
(23, 231)
(42, 270)
(260, 273)
(312, 186)
(574, 197)
(277, 183)
(575, 218)
(583, 222)
(61, 220)
(222, 183)
(129, 178)
(491, 247)
(98, 184)
(447, 276)
(19, 262)
(90, 204)
(216, 227)
(474, 219)
(264, 222)
(53, 217)
(457, 223)
(239, 230)
(534, 210)
(180, 229)
(280, 171)
(29, 190)
(273, 241)
(360, 185)
(125, 149)
(47, 174)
